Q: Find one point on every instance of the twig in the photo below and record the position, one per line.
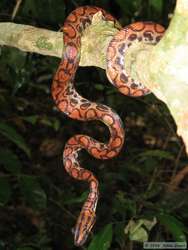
(175, 182)
(16, 8)
(62, 208)
(177, 161)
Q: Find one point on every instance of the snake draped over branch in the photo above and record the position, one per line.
(77, 107)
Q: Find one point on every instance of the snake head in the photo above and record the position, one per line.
(83, 227)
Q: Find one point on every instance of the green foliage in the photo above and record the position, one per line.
(32, 192)
(10, 161)
(5, 190)
(156, 4)
(102, 240)
(76, 199)
(11, 134)
(54, 10)
(174, 226)
(39, 201)
(138, 231)
(160, 154)
(25, 248)
(47, 121)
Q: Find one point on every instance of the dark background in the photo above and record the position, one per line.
(39, 201)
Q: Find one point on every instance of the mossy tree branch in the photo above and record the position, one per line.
(31, 39)
(165, 70)
(162, 68)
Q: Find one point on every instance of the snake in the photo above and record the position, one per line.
(71, 103)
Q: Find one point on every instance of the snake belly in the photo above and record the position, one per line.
(75, 106)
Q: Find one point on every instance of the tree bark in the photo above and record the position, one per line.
(165, 70)
(94, 41)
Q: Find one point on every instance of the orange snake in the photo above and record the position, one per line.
(75, 106)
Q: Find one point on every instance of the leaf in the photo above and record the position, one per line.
(157, 4)
(2, 245)
(102, 240)
(31, 119)
(149, 224)
(119, 233)
(153, 191)
(125, 6)
(5, 191)
(123, 205)
(135, 231)
(139, 235)
(15, 58)
(99, 87)
(10, 161)
(47, 10)
(11, 134)
(174, 226)
(25, 248)
(79, 199)
(48, 121)
(161, 154)
(33, 194)
(56, 124)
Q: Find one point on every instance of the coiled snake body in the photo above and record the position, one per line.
(75, 106)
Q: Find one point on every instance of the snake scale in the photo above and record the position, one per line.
(75, 106)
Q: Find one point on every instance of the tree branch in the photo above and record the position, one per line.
(162, 68)
(31, 39)
(177, 179)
